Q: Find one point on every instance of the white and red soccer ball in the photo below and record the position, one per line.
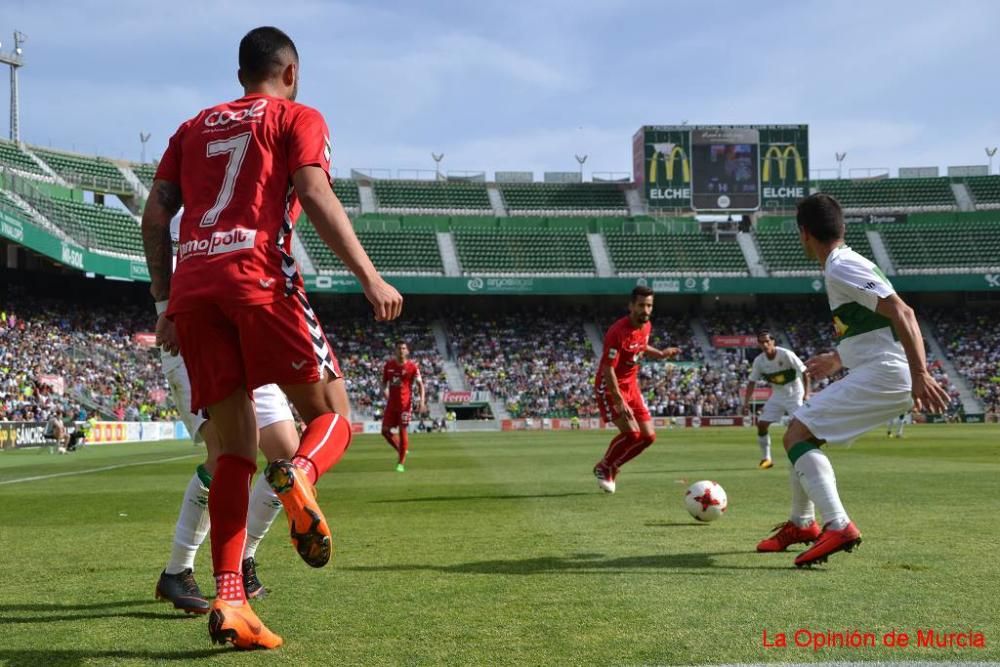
(706, 501)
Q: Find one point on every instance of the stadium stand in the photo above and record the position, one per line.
(891, 194)
(362, 348)
(958, 247)
(109, 229)
(782, 254)
(507, 251)
(93, 173)
(985, 191)
(91, 349)
(675, 254)
(145, 172)
(12, 156)
(971, 339)
(432, 196)
(569, 199)
(413, 251)
(347, 192)
(538, 363)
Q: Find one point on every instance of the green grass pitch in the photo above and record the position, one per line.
(498, 549)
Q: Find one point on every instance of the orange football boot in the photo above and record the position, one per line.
(240, 627)
(309, 531)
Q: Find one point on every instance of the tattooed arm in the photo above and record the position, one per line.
(163, 203)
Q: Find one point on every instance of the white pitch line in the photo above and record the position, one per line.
(84, 472)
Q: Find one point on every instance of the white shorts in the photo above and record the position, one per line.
(270, 403)
(869, 396)
(780, 404)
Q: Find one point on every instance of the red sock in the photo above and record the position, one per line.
(619, 445)
(390, 439)
(323, 444)
(228, 500)
(404, 444)
(634, 451)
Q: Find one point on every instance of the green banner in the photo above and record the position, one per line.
(68, 253)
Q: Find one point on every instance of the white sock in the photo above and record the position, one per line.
(899, 429)
(764, 441)
(803, 511)
(264, 507)
(816, 476)
(192, 527)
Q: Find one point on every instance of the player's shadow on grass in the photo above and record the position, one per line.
(70, 657)
(583, 564)
(525, 496)
(51, 612)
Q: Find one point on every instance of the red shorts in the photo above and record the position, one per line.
(227, 346)
(395, 416)
(632, 397)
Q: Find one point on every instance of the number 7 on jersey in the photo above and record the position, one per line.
(236, 149)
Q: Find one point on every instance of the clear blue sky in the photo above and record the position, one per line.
(525, 85)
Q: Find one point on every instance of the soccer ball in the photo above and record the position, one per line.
(705, 500)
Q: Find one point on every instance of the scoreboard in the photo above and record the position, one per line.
(722, 168)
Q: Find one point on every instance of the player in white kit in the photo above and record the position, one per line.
(879, 341)
(789, 380)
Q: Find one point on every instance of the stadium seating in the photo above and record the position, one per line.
(959, 247)
(681, 254)
(144, 172)
(510, 251)
(525, 198)
(896, 194)
(985, 190)
(12, 156)
(416, 196)
(414, 250)
(347, 192)
(98, 227)
(93, 173)
(782, 255)
(8, 203)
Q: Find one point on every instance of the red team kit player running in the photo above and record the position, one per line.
(617, 387)
(243, 171)
(398, 377)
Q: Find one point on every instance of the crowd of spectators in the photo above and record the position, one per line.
(363, 346)
(971, 341)
(539, 363)
(61, 358)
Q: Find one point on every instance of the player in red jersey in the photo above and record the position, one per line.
(398, 377)
(617, 387)
(236, 305)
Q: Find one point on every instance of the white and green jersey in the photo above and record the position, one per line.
(853, 286)
(783, 372)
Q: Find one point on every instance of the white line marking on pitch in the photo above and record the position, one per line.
(84, 472)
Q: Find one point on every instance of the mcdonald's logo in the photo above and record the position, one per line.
(669, 153)
(774, 152)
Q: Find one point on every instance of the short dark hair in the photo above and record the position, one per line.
(640, 292)
(401, 342)
(821, 216)
(764, 333)
(261, 52)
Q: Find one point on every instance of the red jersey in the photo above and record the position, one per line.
(400, 378)
(234, 164)
(623, 347)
